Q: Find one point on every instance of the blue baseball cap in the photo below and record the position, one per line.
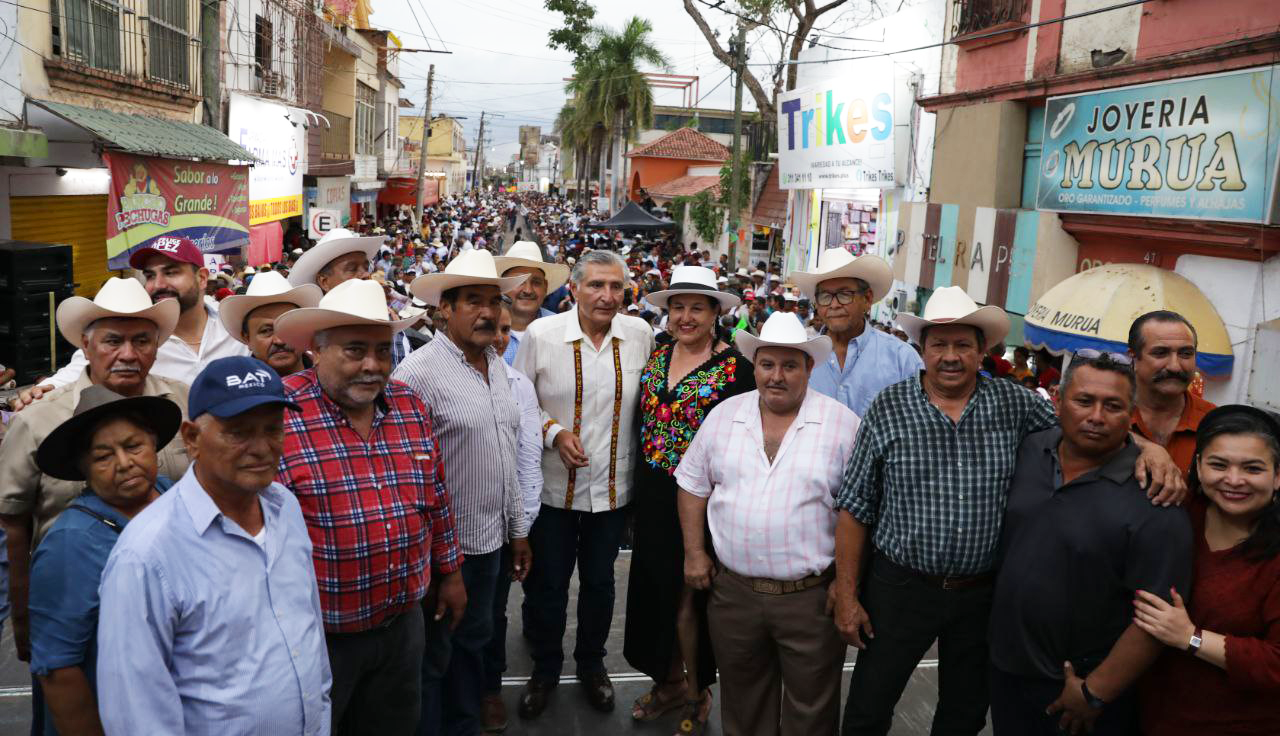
(231, 386)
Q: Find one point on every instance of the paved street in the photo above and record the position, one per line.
(569, 714)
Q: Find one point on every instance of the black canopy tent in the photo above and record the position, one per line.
(632, 217)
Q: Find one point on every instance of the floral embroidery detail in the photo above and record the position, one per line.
(667, 427)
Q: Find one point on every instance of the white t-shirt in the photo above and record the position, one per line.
(260, 538)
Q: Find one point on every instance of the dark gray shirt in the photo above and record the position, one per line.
(1072, 555)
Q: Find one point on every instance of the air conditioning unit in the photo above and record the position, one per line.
(271, 83)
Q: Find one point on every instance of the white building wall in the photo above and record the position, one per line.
(280, 80)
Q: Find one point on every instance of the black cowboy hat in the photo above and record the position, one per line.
(57, 454)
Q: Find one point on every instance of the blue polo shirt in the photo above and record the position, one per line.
(65, 572)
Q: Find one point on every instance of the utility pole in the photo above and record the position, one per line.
(740, 59)
(422, 156)
(475, 178)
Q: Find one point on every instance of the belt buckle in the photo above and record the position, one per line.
(770, 587)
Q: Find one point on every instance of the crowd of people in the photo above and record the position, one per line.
(294, 498)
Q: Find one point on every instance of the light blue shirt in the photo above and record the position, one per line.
(510, 355)
(873, 361)
(201, 631)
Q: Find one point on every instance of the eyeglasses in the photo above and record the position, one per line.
(1091, 354)
(845, 296)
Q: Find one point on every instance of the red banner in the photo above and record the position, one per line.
(405, 191)
(150, 197)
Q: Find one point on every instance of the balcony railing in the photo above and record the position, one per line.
(974, 16)
(335, 140)
(153, 43)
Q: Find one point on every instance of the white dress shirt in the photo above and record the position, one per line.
(776, 520)
(174, 358)
(529, 446)
(592, 392)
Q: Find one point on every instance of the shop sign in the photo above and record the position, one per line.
(151, 197)
(838, 134)
(275, 182)
(321, 222)
(1202, 147)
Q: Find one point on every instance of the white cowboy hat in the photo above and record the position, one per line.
(838, 263)
(337, 242)
(353, 302)
(268, 287)
(783, 330)
(117, 298)
(693, 280)
(742, 273)
(951, 305)
(525, 254)
(759, 273)
(469, 268)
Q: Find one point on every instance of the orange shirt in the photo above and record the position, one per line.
(1182, 443)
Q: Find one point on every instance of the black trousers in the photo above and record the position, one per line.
(1018, 703)
(907, 615)
(377, 677)
(561, 540)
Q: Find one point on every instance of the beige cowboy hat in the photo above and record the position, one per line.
(951, 305)
(353, 302)
(783, 330)
(117, 298)
(266, 288)
(525, 254)
(469, 268)
(335, 243)
(693, 280)
(838, 263)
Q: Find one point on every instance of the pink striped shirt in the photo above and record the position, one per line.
(771, 521)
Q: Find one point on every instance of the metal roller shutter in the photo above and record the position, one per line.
(79, 221)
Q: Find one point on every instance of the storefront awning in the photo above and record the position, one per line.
(138, 134)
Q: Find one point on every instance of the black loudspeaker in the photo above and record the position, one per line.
(34, 279)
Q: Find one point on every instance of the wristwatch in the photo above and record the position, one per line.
(1093, 700)
(1197, 638)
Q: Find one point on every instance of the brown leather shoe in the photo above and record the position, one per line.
(534, 698)
(599, 690)
(493, 713)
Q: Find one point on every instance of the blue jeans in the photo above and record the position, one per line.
(453, 667)
(495, 652)
(560, 539)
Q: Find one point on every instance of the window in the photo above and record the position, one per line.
(262, 40)
(89, 32)
(167, 36)
(366, 112)
(972, 16)
(1031, 156)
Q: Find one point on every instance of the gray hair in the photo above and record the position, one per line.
(320, 339)
(598, 258)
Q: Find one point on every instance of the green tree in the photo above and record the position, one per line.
(572, 35)
(608, 82)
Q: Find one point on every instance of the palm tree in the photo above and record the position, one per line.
(576, 137)
(608, 83)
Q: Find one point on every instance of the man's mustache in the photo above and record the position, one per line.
(157, 296)
(1165, 375)
(126, 367)
(280, 348)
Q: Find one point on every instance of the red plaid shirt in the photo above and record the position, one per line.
(377, 510)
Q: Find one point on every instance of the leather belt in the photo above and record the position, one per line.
(946, 582)
(769, 586)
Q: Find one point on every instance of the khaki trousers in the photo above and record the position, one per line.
(779, 659)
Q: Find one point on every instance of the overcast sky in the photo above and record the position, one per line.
(501, 63)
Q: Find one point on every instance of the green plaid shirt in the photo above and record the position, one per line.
(935, 489)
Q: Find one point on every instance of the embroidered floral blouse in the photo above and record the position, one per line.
(671, 415)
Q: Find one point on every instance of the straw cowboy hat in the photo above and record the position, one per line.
(469, 268)
(783, 330)
(693, 280)
(267, 288)
(838, 263)
(117, 298)
(950, 305)
(337, 242)
(353, 302)
(525, 254)
(59, 451)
